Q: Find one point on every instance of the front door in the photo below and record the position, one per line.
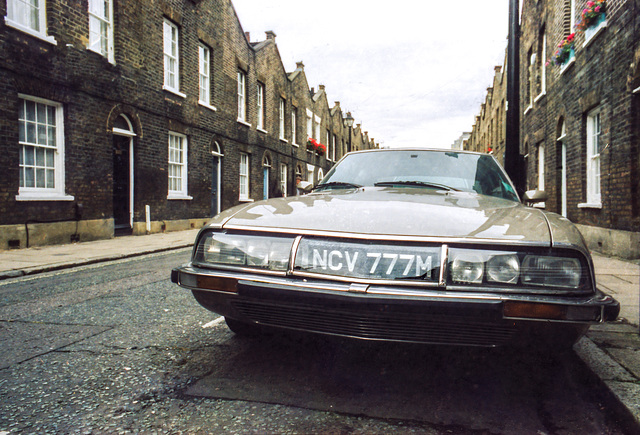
(215, 186)
(122, 185)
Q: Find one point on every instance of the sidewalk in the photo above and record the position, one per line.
(612, 351)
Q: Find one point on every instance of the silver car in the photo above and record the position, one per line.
(403, 245)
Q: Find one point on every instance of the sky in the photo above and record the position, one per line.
(413, 72)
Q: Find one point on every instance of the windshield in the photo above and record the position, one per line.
(447, 170)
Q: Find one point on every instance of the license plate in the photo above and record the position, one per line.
(365, 260)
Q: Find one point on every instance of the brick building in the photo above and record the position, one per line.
(580, 115)
(144, 116)
(488, 133)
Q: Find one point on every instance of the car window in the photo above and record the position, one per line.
(459, 171)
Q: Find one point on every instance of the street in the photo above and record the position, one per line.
(117, 348)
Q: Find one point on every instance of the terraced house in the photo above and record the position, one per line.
(128, 117)
(580, 115)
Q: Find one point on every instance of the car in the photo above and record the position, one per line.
(418, 245)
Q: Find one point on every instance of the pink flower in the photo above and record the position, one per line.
(597, 8)
(590, 4)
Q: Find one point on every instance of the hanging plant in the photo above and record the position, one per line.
(592, 14)
(565, 51)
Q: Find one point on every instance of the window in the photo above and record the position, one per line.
(294, 126)
(244, 177)
(177, 166)
(593, 158)
(542, 55)
(242, 95)
(317, 130)
(101, 28)
(334, 144)
(29, 16)
(309, 123)
(281, 118)
(260, 105)
(41, 140)
(541, 167)
(171, 59)
(204, 74)
(284, 174)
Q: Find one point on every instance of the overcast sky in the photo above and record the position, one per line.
(414, 73)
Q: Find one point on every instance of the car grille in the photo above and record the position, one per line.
(375, 325)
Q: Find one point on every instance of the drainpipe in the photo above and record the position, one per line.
(512, 159)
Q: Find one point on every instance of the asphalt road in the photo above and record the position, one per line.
(117, 348)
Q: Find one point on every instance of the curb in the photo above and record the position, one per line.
(16, 273)
(621, 385)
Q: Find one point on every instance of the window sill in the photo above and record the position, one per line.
(528, 109)
(179, 196)
(245, 200)
(540, 97)
(591, 33)
(295, 145)
(173, 91)
(20, 27)
(567, 65)
(261, 130)
(243, 122)
(208, 106)
(540, 205)
(283, 140)
(43, 197)
(109, 57)
(590, 205)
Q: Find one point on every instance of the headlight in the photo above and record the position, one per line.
(265, 252)
(474, 266)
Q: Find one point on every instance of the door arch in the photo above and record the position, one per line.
(123, 180)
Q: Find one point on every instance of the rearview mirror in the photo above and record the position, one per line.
(305, 186)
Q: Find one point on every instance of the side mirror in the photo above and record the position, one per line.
(305, 186)
(535, 196)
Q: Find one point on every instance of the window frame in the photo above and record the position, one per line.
(20, 23)
(260, 106)
(242, 97)
(593, 162)
(170, 30)
(105, 49)
(284, 175)
(294, 126)
(204, 76)
(281, 122)
(183, 165)
(244, 181)
(57, 192)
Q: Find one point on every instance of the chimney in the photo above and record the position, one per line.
(321, 87)
(248, 36)
(300, 66)
(270, 35)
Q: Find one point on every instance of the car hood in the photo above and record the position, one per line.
(397, 212)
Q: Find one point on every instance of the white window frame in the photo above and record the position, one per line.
(260, 106)
(541, 167)
(281, 114)
(244, 178)
(318, 122)
(309, 124)
(294, 126)
(101, 28)
(334, 143)
(18, 17)
(594, 132)
(284, 176)
(204, 76)
(543, 68)
(178, 166)
(171, 47)
(242, 97)
(53, 140)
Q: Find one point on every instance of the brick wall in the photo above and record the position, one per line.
(94, 93)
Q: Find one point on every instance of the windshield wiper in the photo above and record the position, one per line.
(414, 183)
(338, 184)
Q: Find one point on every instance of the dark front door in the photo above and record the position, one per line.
(121, 185)
(215, 186)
